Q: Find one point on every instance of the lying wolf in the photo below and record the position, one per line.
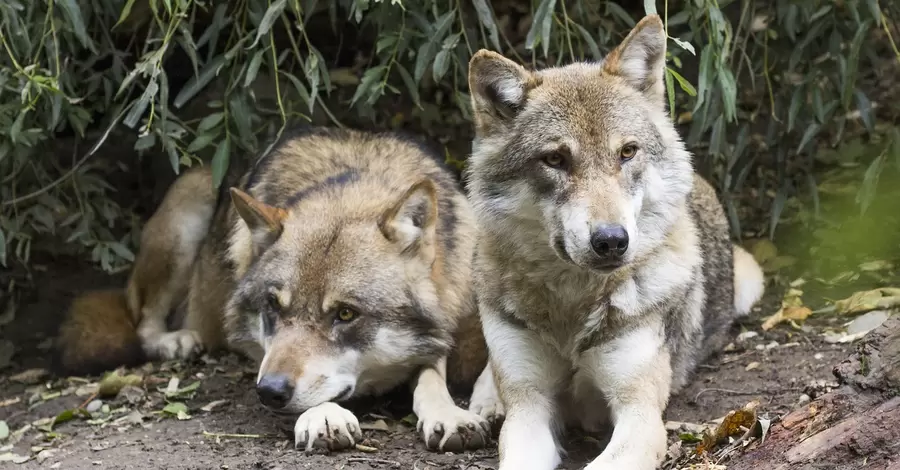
(341, 261)
(604, 268)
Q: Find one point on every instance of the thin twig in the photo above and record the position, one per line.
(246, 436)
(367, 460)
(745, 392)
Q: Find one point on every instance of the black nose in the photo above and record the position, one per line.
(275, 391)
(609, 241)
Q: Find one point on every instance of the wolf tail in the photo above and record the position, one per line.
(749, 283)
(98, 334)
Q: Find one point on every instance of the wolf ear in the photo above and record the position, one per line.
(499, 86)
(641, 57)
(264, 221)
(411, 221)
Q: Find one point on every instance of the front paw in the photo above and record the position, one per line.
(488, 406)
(453, 429)
(327, 426)
(179, 344)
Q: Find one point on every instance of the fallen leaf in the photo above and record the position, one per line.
(379, 425)
(777, 263)
(763, 250)
(867, 322)
(68, 415)
(864, 301)
(411, 419)
(30, 376)
(114, 381)
(44, 455)
(213, 405)
(4, 430)
(178, 409)
(792, 310)
(751, 366)
(735, 422)
(879, 265)
(14, 458)
(184, 392)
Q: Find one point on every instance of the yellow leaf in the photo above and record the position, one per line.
(864, 301)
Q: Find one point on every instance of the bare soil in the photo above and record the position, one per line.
(240, 433)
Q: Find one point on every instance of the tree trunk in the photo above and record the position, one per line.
(856, 426)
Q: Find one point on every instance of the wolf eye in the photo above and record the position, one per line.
(555, 160)
(273, 302)
(628, 152)
(346, 314)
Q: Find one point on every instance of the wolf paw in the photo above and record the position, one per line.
(453, 429)
(327, 426)
(180, 344)
(488, 406)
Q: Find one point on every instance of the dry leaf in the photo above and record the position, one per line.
(879, 265)
(379, 425)
(114, 381)
(30, 376)
(213, 405)
(735, 422)
(864, 301)
(751, 366)
(792, 310)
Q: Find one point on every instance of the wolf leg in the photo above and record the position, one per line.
(485, 400)
(327, 426)
(634, 373)
(443, 425)
(529, 375)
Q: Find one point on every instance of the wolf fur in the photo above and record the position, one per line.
(341, 261)
(604, 268)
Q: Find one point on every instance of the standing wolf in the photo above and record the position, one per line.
(342, 261)
(604, 268)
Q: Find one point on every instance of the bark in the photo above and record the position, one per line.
(856, 426)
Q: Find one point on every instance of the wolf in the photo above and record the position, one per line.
(341, 261)
(604, 267)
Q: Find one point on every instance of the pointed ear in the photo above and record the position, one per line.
(641, 58)
(499, 86)
(411, 221)
(264, 221)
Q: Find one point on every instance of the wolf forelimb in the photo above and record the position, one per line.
(326, 426)
(442, 424)
(529, 376)
(167, 345)
(634, 374)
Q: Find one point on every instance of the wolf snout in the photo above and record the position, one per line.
(609, 241)
(275, 390)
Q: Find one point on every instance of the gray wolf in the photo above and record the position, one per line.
(604, 268)
(341, 261)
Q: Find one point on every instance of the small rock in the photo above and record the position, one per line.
(867, 322)
(44, 455)
(772, 345)
(747, 335)
(760, 347)
(94, 406)
(803, 399)
(751, 366)
(729, 347)
(818, 356)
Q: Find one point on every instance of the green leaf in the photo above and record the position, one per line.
(184, 391)
(301, 89)
(729, 93)
(253, 67)
(220, 161)
(122, 251)
(411, 87)
(201, 142)
(427, 51)
(126, 10)
(2, 248)
(797, 100)
(614, 9)
(540, 26)
(210, 121)
(69, 415)
(707, 72)
(592, 44)
(487, 21)
(73, 12)
(369, 78)
(682, 82)
(867, 190)
(811, 131)
(865, 110)
(175, 407)
(670, 91)
(199, 81)
(272, 13)
(441, 65)
(685, 45)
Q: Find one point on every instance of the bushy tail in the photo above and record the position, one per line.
(98, 334)
(749, 282)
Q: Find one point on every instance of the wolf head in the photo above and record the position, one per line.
(582, 158)
(339, 294)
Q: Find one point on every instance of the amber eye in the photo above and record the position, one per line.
(346, 314)
(628, 152)
(555, 160)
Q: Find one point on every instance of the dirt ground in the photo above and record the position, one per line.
(776, 367)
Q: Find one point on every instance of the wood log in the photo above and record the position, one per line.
(856, 426)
